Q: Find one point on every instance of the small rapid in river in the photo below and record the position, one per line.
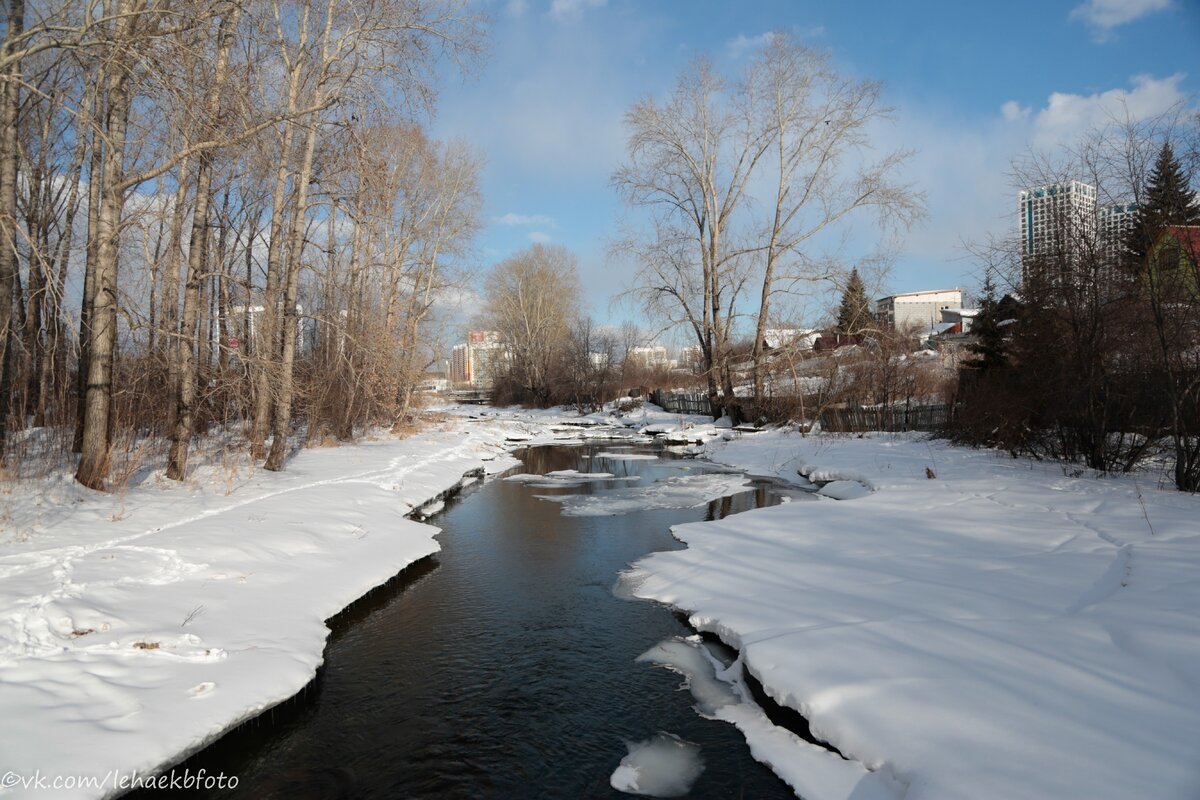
(505, 666)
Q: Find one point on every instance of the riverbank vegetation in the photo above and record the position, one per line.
(222, 213)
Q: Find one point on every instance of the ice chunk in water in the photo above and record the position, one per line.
(664, 766)
(616, 456)
(685, 491)
(689, 660)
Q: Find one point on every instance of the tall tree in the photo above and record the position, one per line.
(854, 312)
(533, 303)
(819, 122)
(989, 346)
(9, 104)
(691, 159)
(1166, 200)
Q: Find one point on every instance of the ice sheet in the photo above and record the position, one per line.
(684, 491)
(662, 766)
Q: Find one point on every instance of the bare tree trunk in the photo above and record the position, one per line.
(170, 331)
(93, 459)
(286, 387)
(9, 105)
(59, 266)
(222, 288)
(185, 351)
(95, 179)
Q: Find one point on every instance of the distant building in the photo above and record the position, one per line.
(651, 357)
(916, 309)
(691, 358)
(1055, 219)
(1114, 222)
(433, 382)
(963, 318)
(1174, 258)
(798, 338)
(246, 324)
(477, 361)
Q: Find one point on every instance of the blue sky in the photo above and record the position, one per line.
(973, 85)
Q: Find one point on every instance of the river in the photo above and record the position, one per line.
(504, 666)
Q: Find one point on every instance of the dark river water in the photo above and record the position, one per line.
(501, 667)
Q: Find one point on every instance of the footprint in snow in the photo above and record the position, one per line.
(202, 689)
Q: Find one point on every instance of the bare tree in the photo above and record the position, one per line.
(690, 161)
(819, 125)
(533, 302)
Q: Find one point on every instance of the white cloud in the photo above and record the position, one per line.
(1102, 16)
(523, 219)
(516, 8)
(742, 44)
(1066, 116)
(1013, 111)
(539, 237)
(571, 10)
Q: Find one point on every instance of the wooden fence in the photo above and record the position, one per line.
(682, 403)
(888, 418)
(836, 420)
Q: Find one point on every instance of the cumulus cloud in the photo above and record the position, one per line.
(1067, 116)
(538, 237)
(523, 219)
(1102, 16)
(1013, 111)
(571, 10)
(742, 44)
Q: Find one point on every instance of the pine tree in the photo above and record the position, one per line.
(854, 313)
(989, 347)
(1166, 201)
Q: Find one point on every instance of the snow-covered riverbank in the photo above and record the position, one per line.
(973, 625)
(960, 625)
(136, 629)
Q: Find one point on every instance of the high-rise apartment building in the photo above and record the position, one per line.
(1114, 224)
(478, 361)
(1055, 219)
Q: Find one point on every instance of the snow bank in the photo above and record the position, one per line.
(136, 629)
(720, 693)
(844, 490)
(999, 631)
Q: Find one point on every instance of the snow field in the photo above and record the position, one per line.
(998, 630)
(136, 630)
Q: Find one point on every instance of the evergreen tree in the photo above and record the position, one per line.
(1167, 200)
(854, 313)
(989, 347)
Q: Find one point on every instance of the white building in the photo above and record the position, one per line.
(652, 357)
(916, 309)
(1055, 218)
(245, 322)
(797, 338)
(691, 357)
(1114, 222)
